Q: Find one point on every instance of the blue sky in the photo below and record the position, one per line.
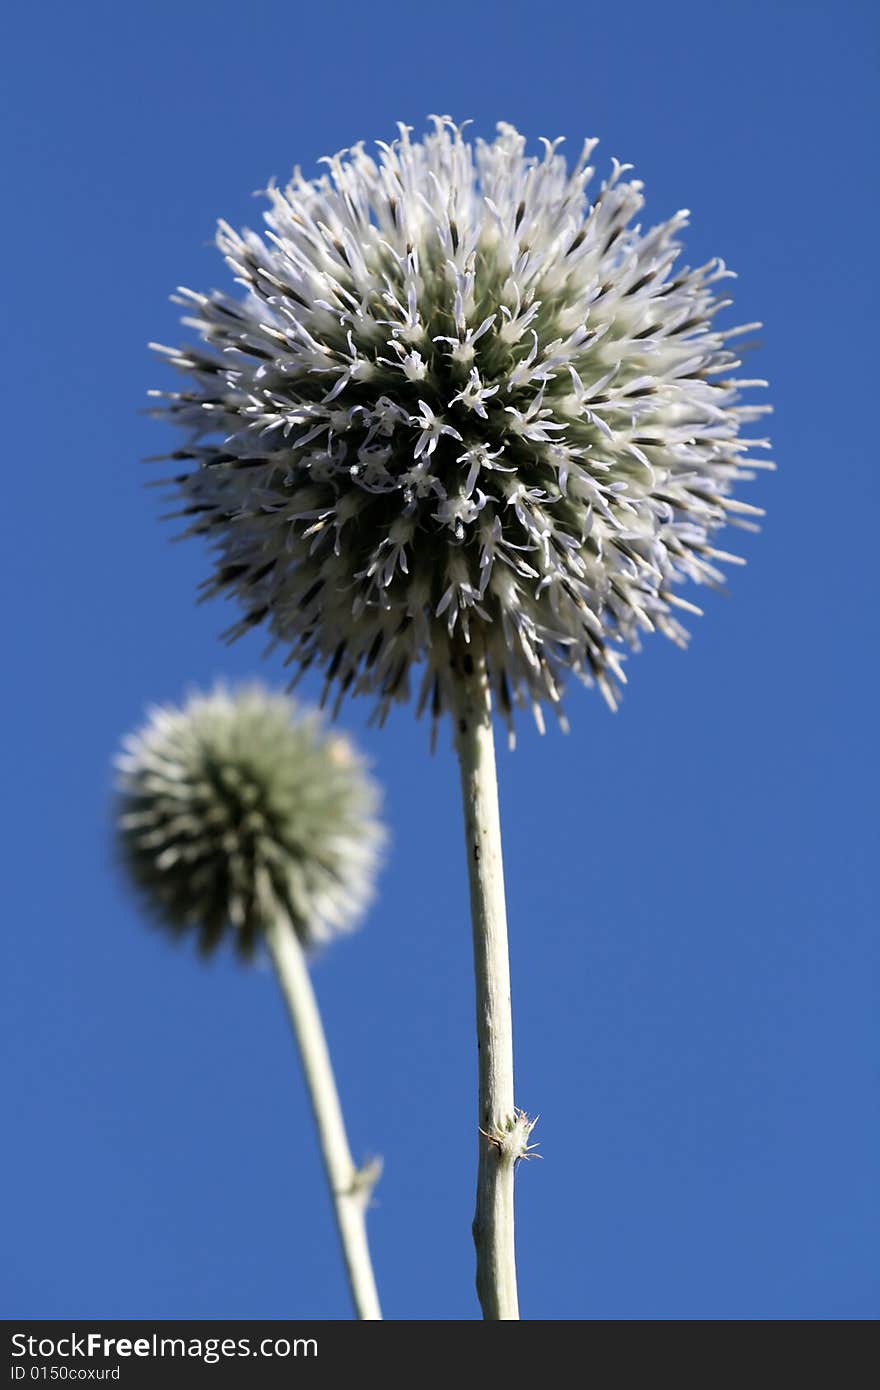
(691, 882)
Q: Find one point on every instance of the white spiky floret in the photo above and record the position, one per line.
(459, 402)
(239, 805)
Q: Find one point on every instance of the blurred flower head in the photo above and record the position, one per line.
(238, 806)
(460, 400)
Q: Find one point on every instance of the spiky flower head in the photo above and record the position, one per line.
(238, 806)
(461, 402)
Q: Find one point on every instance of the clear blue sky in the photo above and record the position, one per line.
(692, 882)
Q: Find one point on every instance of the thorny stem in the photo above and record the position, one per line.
(503, 1130)
(350, 1187)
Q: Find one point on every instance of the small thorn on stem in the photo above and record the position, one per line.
(364, 1179)
(512, 1140)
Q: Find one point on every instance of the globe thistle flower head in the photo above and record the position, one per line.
(238, 806)
(460, 402)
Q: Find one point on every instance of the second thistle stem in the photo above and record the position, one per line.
(503, 1130)
(350, 1187)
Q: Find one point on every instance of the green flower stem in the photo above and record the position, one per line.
(503, 1131)
(350, 1187)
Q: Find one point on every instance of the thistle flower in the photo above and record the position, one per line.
(238, 806)
(458, 397)
(239, 814)
(470, 422)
